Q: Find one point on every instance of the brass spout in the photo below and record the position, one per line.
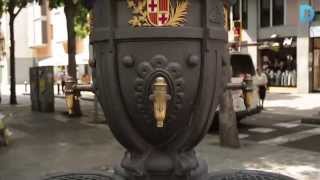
(70, 103)
(70, 94)
(72, 90)
(160, 98)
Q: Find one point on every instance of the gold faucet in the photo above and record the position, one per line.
(72, 91)
(69, 93)
(160, 98)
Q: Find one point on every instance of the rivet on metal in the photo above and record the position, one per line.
(128, 61)
(193, 61)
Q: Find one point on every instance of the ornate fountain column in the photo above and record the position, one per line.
(157, 73)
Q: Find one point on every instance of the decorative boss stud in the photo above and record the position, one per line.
(158, 12)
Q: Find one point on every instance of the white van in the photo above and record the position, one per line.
(245, 100)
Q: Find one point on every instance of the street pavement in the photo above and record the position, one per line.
(280, 122)
(295, 104)
(46, 143)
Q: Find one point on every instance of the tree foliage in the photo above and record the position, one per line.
(14, 6)
(82, 26)
(81, 19)
(77, 26)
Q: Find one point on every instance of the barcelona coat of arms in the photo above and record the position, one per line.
(158, 12)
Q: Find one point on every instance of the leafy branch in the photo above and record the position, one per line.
(138, 10)
(178, 14)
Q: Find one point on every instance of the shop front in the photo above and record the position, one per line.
(316, 64)
(315, 46)
(278, 60)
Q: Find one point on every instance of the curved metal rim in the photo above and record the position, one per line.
(248, 175)
(65, 175)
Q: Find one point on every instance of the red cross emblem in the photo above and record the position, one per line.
(158, 12)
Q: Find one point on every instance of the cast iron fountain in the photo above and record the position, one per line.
(157, 74)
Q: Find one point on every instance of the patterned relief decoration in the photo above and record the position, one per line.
(147, 71)
(158, 13)
(216, 15)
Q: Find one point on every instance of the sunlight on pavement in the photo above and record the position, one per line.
(295, 104)
(302, 102)
(301, 172)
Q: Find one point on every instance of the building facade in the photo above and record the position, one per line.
(24, 55)
(48, 38)
(282, 46)
(41, 39)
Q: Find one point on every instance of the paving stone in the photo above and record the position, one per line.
(261, 130)
(286, 125)
(311, 143)
(291, 137)
(243, 136)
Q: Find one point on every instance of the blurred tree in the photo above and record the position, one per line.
(13, 8)
(228, 126)
(77, 13)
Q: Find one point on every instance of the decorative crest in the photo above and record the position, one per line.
(159, 13)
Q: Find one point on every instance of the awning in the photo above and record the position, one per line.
(62, 60)
(314, 31)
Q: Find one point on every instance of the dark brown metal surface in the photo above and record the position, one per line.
(127, 61)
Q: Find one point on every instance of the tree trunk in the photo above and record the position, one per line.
(228, 127)
(70, 12)
(13, 97)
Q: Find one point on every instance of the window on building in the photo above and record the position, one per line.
(51, 31)
(278, 12)
(38, 28)
(279, 62)
(316, 5)
(265, 13)
(244, 17)
(317, 17)
(44, 26)
(236, 11)
(240, 12)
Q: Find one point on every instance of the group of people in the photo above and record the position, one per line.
(264, 80)
(276, 71)
(61, 81)
(284, 78)
(280, 71)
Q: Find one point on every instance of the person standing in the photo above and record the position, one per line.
(63, 81)
(262, 85)
(58, 80)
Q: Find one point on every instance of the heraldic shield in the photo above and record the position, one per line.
(158, 12)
